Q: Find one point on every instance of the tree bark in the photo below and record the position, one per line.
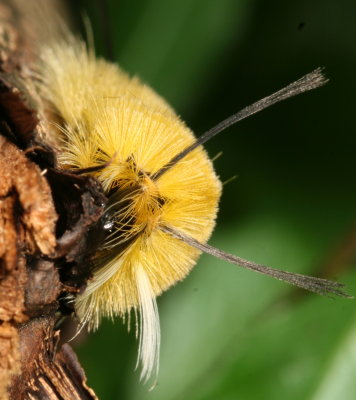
(45, 218)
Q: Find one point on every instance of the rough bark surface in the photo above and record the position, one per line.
(46, 216)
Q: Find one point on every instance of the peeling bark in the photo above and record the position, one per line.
(48, 372)
(46, 216)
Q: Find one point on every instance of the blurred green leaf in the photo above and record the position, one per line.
(230, 333)
(338, 380)
(183, 43)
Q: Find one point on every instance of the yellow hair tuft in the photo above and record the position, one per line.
(112, 120)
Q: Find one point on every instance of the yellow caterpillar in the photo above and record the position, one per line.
(162, 190)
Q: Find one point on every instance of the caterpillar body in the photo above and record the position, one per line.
(161, 186)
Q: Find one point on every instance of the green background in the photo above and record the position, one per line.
(229, 333)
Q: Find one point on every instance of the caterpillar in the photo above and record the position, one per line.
(162, 190)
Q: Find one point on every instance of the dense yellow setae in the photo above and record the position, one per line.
(109, 118)
(162, 190)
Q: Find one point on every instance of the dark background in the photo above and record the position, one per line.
(227, 333)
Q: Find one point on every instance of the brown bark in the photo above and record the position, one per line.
(45, 218)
